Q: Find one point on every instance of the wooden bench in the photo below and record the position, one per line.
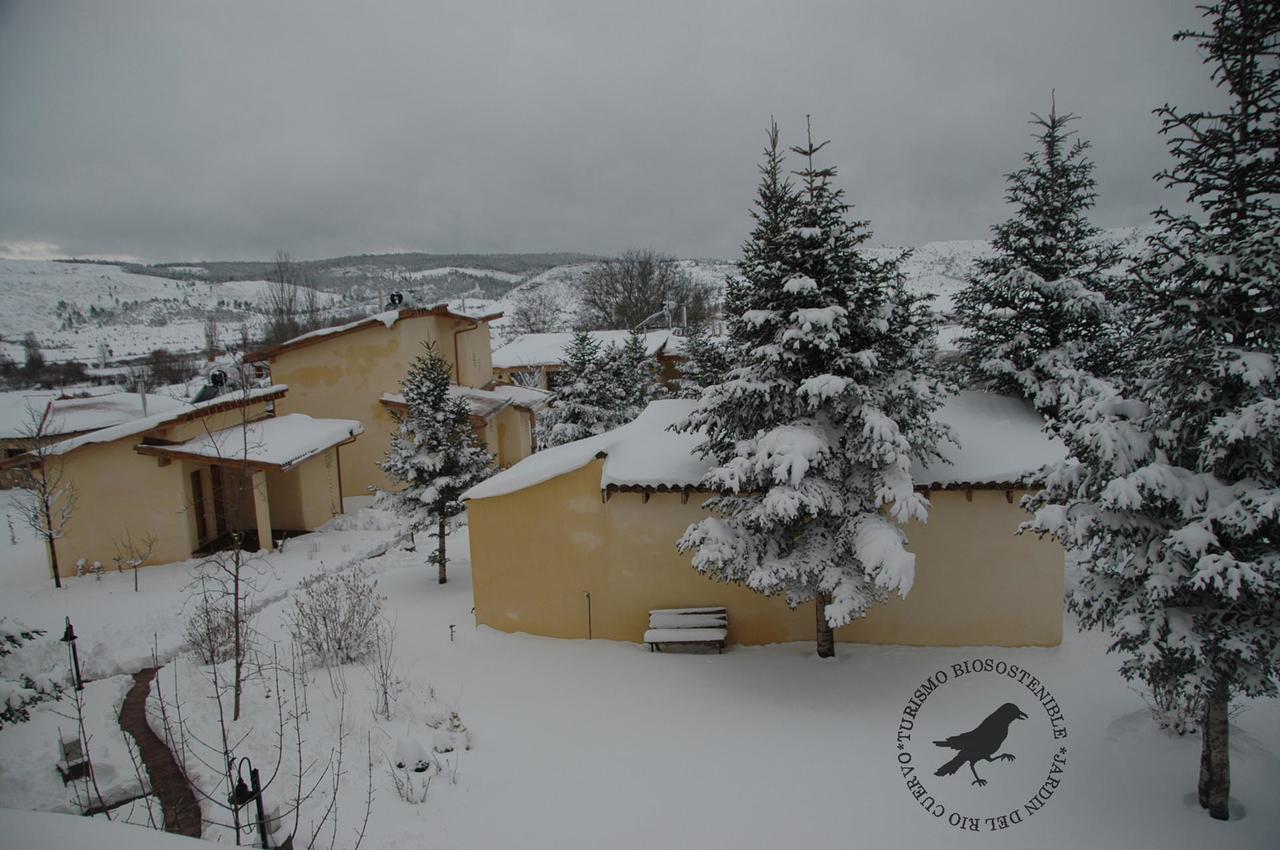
(692, 627)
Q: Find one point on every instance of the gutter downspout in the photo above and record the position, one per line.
(457, 364)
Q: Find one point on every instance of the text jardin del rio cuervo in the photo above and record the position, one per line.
(1005, 678)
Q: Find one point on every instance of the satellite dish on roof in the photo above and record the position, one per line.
(395, 299)
(218, 378)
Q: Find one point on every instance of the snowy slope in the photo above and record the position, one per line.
(72, 307)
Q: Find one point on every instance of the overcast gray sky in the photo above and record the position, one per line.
(219, 130)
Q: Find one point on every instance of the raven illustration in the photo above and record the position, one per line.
(981, 743)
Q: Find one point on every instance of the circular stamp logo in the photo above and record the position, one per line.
(982, 745)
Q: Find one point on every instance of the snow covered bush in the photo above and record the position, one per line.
(336, 617)
(21, 689)
(815, 429)
(211, 627)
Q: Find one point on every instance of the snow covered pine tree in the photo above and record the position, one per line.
(1039, 301)
(634, 376)
(434, 453)
(814, 432)
(598, 390)
(582, 404)
(1172, 497)
(706, 360)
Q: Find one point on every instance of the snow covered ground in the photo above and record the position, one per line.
(602, 744)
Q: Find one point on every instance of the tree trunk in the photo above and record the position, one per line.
(440, 553)
(53, 562)
(1215, 760)
(826, 637)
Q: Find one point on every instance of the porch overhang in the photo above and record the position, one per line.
(274, 444)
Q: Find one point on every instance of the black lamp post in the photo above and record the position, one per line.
(243, 794)
(69, 638)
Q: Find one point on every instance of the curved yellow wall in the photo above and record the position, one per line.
(537, 552)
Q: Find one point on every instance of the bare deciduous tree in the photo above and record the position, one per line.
(48, 497)
(537, 311)
(210, 338)
(621, 292)
(283, 300)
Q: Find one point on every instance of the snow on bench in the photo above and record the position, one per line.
(687, 627)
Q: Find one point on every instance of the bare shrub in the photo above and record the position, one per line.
(381, 666)
(335, 617)
(212, 625)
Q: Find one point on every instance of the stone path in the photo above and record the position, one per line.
(168, 782)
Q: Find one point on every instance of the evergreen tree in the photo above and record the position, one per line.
(1043, 290)
(434, 452)
(814, 431)
(1171, 495)
(584, 402)
(634, 377)
(706, 361)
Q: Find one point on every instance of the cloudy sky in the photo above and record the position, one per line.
(219, 130)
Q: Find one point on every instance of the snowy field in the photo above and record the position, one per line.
(602, 744)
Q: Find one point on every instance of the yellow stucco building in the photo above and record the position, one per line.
(354, 371)
(602, 516)
(174, 484)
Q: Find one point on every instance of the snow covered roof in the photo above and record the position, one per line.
(481, 403)
(387, 319)
(1001, 437)
(75, 415)
(998, 440)
(279, 442)
(531, 350)
(16, 408)
(143, 424)
(529, 397)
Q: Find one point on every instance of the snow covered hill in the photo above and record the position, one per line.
(73, 308)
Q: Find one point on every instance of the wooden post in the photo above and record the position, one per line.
(262, 511)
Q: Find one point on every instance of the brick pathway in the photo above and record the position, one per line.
(177, 800)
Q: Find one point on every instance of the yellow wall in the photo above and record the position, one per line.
(305, 497)
(120, 492)
(512, 434)
(345, 378)
(535, 553)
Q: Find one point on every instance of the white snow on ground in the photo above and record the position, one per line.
(582, 743)
(41, 829)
